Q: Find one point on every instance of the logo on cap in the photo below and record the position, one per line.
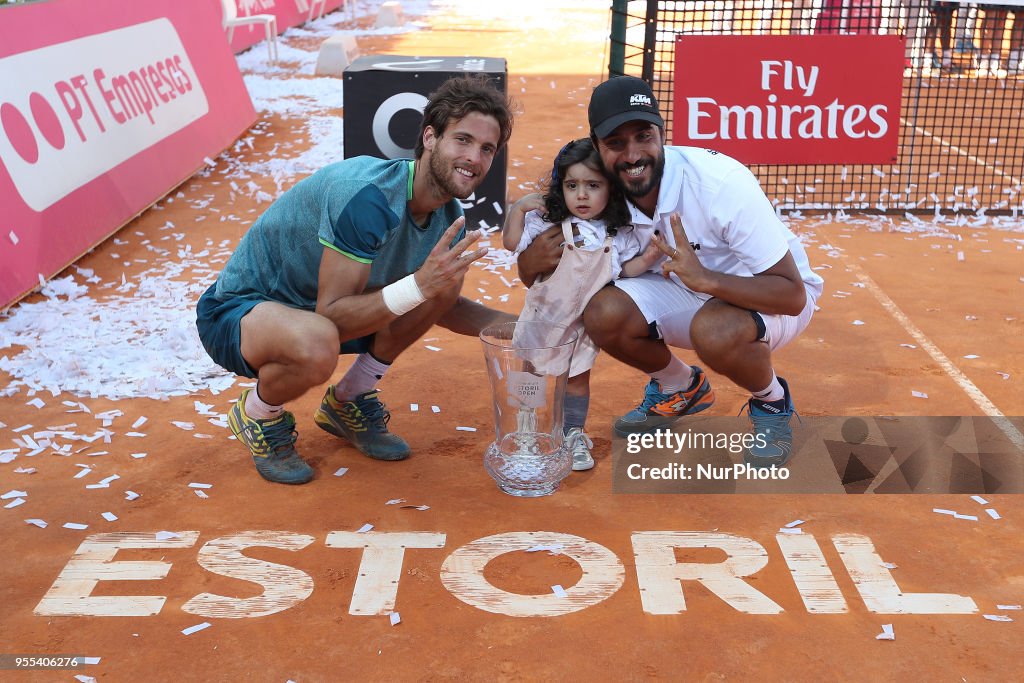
(641, 99)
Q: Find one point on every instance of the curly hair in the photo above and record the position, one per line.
(458, 97)
(582, 151)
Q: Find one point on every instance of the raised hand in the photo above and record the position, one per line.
(682, 259)
(445, 267)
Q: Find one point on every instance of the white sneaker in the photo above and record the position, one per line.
(579, 444)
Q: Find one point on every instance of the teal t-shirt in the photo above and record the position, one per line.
(357, 207)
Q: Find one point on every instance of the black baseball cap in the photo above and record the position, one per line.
(622, 99)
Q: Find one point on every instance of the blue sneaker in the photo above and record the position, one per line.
(271, 444)
(772, 434)
(659, 409)
(364, 422)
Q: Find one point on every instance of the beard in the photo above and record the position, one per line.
(441, 169)
(634, 189)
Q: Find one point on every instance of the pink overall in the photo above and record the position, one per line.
(562, 297)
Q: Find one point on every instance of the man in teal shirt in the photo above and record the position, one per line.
(364, 256)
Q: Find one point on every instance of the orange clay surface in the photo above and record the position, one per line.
(968, 307)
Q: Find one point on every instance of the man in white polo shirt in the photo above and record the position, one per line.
(739, 285)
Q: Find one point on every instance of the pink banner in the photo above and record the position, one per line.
(817, 99)
(105, 106)
(287, 12)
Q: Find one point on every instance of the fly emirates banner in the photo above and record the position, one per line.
(105, 106)
(815, 99)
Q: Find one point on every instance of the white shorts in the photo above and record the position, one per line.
(670, 306)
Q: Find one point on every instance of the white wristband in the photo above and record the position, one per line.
(403, 296)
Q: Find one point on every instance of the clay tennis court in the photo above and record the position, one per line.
(917, 319)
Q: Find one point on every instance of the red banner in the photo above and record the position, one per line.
(288, 13)
(105, 106)
(815, 99)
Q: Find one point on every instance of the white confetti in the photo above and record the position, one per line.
(193, 629)
(200, 494)
(166, 535)
(1008, 607)
(858, 322)
(395, 618)
(131, 495)
(465, 429)
(979, 500)
(37, 522)
(364, 528)
(435, 409)
(559, 591)
(109, 516)
(997, 617)
(395, 501)
(15, 503)
(796, 522)
(887, 633)
(340, 471)
(918, 394)
(197, 485)
(76, 526)
(992, 513)
(414, 407)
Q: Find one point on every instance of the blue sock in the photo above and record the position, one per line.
(574, 409)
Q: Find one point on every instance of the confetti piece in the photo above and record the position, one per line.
(131, 495)
(138, 423)
(415, 507)
(36, 402)
(201, 494)
(395, 618)
(37, 522)
(139, 455)
(414, 407)
(109, 516)
(465, 429)
(889, 565)
(943, 512)
(791, 532)
(997, 617)
(166, 535)
(918, 394)
(395, 501)
(193, 629)
(1006, 607)
(555, 549)
(76, 526)
(340, 471)
(432, 348)
(364, 528)
(197, 485)
(13, 493)
(971, 356)
(15, 503)
(559, 591)
(14, 238)
(979, 500)
(435, 409)
(858, 322)
(887, 633)
(794, 523)
(968, 517)
(992, 513)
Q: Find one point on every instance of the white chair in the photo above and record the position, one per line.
(269, 21)
(311, 8)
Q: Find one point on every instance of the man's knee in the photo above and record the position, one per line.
(607, 313)
(315, 349)
(719, 327)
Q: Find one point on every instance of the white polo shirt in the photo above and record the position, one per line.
(725, 212)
